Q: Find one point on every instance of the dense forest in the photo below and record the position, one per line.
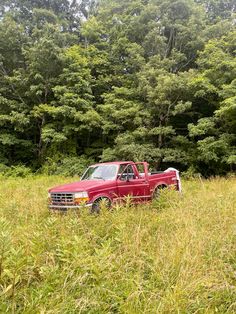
(88, 80)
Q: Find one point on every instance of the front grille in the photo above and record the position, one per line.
(62, 198)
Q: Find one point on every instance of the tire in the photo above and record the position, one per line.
(100, 203)
(157, 191)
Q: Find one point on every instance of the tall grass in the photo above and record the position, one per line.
(177, 255)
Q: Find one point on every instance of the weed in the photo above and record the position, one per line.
(175, 255)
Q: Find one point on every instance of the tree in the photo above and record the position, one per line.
(142, 79)
(215, 135)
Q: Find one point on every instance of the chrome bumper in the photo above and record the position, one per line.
(64, 207)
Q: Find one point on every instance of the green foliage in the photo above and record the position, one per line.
(152, 80)
(15, 171)
(66, 166)
(204, 126)
(3, 169)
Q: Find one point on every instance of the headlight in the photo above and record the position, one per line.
(81, 195)
(49, 195)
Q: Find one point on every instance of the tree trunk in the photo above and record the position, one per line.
(40, 144)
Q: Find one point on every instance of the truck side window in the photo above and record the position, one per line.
(131, 172)
(121, 169)
(128, 172)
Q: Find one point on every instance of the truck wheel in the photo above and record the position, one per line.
(157, 191)
(100, 203)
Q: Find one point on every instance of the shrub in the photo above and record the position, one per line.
(69, 166)
(190, 173)
(3, 169)
(18, 171)
(15, 171)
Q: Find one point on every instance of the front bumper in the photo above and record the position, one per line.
(65, 207)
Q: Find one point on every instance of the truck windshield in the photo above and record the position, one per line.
(102, 172)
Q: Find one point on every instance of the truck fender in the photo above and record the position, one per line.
(96, 206)
(159, 186)
(102, 195)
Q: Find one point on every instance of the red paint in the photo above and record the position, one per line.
(139, 186)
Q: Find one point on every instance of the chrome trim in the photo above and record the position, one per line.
(69, 206)
(62, 198)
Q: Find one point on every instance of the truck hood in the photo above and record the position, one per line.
(84, 185)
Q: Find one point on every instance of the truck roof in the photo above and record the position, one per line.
(113, 163)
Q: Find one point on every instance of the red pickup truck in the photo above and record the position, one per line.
(113, 182)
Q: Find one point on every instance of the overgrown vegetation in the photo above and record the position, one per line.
(177, 255)
(118, 79)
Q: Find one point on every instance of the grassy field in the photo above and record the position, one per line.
(177, 255)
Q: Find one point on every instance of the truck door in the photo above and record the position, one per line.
(129, 184)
